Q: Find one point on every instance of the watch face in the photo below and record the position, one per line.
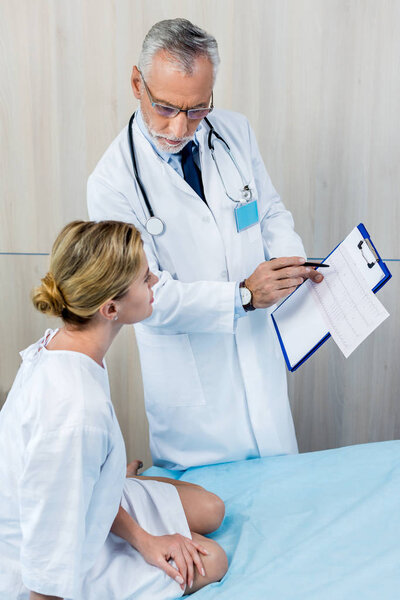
(245, 295)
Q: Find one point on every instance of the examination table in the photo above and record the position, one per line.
(316, 526)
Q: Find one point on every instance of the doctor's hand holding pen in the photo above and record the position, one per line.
(275, 279)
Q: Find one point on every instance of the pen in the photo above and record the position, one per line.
(314, 264)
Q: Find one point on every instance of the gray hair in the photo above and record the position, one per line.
(183, 41)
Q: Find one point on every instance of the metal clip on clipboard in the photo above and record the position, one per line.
(371, 249)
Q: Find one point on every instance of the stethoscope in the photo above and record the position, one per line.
(154, 225)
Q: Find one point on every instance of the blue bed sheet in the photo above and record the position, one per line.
(316, 526)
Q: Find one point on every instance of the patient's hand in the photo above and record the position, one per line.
(159, 550)
(133, 468)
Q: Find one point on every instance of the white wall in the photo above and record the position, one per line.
(319, 80)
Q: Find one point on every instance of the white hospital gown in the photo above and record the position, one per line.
(62, 477)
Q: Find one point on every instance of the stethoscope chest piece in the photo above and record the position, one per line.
(154, 226)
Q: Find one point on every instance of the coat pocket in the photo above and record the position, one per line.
(169, 370)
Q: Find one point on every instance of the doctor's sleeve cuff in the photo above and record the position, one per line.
(223, 310)
(239, 310)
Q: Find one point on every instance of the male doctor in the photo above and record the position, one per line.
(211, 222)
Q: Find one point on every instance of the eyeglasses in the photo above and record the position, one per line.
(171, 111)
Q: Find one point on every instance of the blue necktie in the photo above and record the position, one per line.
(191, 172)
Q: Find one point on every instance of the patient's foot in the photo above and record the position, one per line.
(133, 468)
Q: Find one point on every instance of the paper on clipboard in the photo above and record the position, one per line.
(301, 322)
(349, 307)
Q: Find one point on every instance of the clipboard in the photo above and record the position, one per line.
(300, 328)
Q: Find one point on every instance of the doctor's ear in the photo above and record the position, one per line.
(109, 311)
(135, 82)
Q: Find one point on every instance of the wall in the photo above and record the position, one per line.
(319, 81)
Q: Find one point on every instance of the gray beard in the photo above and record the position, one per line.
(155, 138)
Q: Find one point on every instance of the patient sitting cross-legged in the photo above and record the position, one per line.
(75, 522)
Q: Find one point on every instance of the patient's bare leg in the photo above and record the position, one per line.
(204, 510)
(204, 513)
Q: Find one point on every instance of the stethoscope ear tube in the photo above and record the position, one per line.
(135, 170)
(246, 191)
(154, 225)
(213, 132)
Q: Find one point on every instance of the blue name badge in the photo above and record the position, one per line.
(246, 215)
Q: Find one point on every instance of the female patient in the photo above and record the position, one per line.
(62, 456)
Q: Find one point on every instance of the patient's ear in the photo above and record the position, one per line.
(108, 311)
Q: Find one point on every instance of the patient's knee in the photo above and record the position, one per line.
(214, 507)
(217, 565)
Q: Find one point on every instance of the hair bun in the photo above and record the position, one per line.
(48, 298)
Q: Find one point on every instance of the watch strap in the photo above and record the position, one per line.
(247, 307)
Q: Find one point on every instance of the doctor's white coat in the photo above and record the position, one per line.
(215, 387)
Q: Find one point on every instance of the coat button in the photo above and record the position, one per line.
(224, 275)
(206, 219)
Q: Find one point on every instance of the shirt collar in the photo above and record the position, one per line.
(166, 156)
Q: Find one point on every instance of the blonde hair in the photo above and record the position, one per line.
(90, 263)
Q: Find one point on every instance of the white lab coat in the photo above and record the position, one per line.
(215, 387)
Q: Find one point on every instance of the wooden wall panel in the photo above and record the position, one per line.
(319, 81)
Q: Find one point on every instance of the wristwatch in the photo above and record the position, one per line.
(246, 296)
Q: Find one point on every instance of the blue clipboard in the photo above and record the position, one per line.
(366, 247)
